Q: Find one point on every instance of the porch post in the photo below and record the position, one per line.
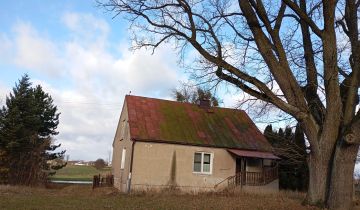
(243, 172)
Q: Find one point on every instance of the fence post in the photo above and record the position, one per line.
(94, 181)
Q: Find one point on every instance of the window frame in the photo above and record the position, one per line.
(202, 163)
(123, 159)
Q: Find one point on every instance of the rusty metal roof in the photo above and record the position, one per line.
(159, 120)
(257, 154)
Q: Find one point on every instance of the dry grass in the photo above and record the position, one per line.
(83, 197)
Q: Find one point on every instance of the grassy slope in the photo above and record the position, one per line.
(79, 173)
(83, 197)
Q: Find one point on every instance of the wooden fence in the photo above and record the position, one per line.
(103, 181)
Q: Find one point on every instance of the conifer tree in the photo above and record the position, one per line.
(28, 123)
(291, 148)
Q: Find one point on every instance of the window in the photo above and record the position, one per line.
(123, 156)
(202, 162)
(253, 162)
(267, 162)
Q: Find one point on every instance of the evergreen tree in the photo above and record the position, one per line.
(4, 170)
(288, 134)
(291, 148)
(28, 122)
(303, 171)
(268, 129)
(281, 133)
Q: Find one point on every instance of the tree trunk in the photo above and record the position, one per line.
(318, 176)
(342, 175)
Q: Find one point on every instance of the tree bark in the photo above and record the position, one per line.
(318, 177)
(341, 185)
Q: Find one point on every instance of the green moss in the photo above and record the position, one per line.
(177, 123)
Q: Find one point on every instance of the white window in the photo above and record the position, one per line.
(123, 156)
(203, 162)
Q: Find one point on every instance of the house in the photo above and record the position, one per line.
(166, 144)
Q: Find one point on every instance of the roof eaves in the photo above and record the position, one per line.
(191, 144)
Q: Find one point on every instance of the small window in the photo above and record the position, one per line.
(202, 162)
(123, 156)
(197, 162)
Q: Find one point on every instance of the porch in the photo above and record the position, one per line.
(246, 178)
(253, 168)
(253, 178)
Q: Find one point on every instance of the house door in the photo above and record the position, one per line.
(238, 165)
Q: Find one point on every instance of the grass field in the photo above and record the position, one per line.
(78, 173)
(83, 197)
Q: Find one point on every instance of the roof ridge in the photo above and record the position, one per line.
(179, 102)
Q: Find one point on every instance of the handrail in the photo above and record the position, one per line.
(252, 178)
(215, 186)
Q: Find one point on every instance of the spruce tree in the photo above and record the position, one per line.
(291, 148)
(28, 124)
(303, 171)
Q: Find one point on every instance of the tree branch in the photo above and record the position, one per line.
(303, 15)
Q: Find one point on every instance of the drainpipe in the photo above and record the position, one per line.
(131, 166)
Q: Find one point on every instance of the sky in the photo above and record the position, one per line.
(81, 56)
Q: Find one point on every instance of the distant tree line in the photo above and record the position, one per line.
(291, 148)
(28, 123)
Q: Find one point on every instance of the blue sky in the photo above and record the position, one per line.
(81, 56)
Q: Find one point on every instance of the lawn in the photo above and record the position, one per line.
(83, 197)
(78, 173)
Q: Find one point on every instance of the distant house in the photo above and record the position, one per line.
(166, 144)
(79, 163)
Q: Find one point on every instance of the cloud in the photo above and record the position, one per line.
(5, 47)
(4, 91)
(33, 51)
(86, 28)
(90, 89)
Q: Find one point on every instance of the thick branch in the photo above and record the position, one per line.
(303, 15)
(279, 68)
(350, 86)
(315, 105)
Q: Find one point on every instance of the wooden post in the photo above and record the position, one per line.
(242, 172)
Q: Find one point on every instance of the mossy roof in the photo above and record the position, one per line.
(166, 121)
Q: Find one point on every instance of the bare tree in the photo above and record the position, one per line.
(300, 56)
(193, 95)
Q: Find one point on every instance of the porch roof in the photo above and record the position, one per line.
(256, 154)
